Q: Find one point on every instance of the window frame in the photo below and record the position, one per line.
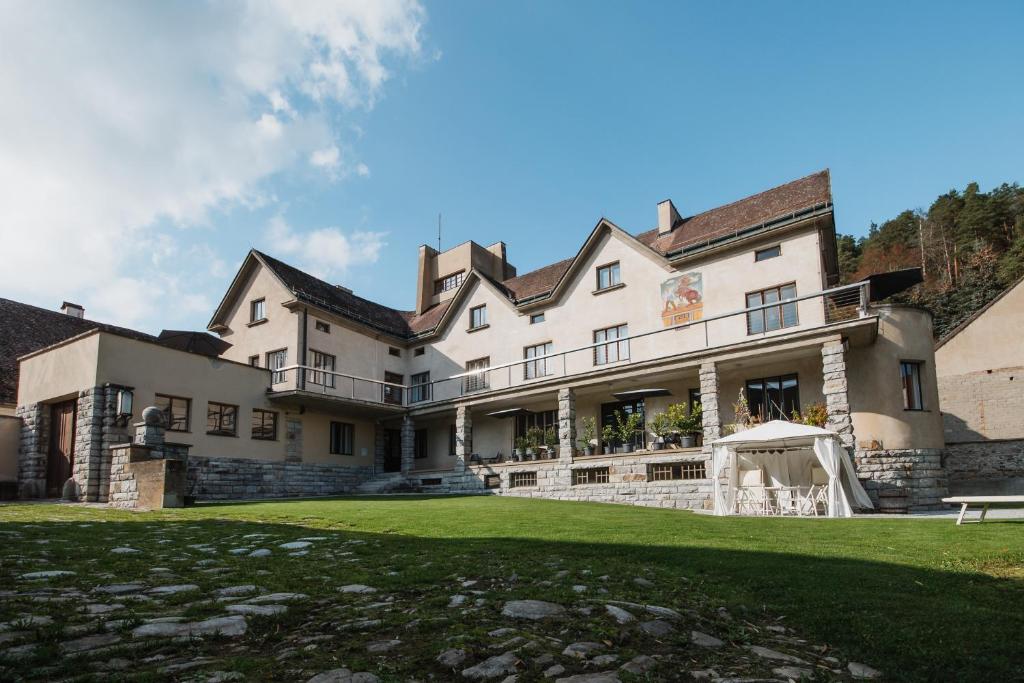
(419, 387)
(522, 480)
(784, 413)
(421, 444)
(537, 318)
(614, 270)
(419, 351)
(395, 351)
(780, 310)
(480, 382)
(321, 373)
(453, 438)
(221, 430)
(538, 369)
(449, 282)
(321, 326)
(389, 394)
(254, 361)
(918, 366)
(277, 376)
(589, 476)
(336, 446)
(758, 258)
(260, 435)
(261, 304)
(603, 346)
(482, 323)
(684, 470)
(169, 419)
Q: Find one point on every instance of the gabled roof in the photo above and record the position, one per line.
(25, 328)
(978, 313)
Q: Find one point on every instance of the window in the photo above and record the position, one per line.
(275, 361)
(477, 382)
(536, 318)
(221, 419)
(542, 419)
(694, 396)
(449, 282)
(257, 310)
(767, 253)
(609, 417)
(591, 475)
(910, 374)
(254, 361)
(420, 387)
(433, 481)
(264, 425)
(537, 368)
(773, 398)
(393, 394)
(392, 351)
(419, 444)
(616, 348)
(452, 438)
(492, 481)
(773, 317)
(477, 317)
(176, 412)
(668, 471)
(342, 438)
(419, 351)
(520, 479)
(321, 326)
(321, 361)
(608, 276)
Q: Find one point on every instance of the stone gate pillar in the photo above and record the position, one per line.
(408, 444)
(566, 423)
(463, 437)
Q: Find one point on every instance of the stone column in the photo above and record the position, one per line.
(113, 432)
(293, 439)
(88, 443)
(833, 374)
(712, 419)
(463, 437)
(566, 423)
(408, 444)
(32, 449)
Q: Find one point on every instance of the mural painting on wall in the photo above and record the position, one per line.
(682, 299)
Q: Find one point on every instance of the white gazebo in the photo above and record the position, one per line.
(783, 468)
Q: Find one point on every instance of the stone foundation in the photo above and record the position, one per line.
(910, 480)
(986, 467)
(628, 481)
(239, 478)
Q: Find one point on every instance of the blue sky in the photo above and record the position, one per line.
(523, 122)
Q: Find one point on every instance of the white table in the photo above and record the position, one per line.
(966, 502)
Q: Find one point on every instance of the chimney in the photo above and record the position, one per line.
(668, 217)
(74, 310)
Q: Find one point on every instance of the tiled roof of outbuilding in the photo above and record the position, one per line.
(25, 328)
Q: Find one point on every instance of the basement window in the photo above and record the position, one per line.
(522, 479)
(669, 471)
(492, 481)
(591, 475)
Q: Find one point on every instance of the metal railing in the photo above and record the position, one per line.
(798, 313)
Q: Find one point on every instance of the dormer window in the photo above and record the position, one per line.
(478, 317)
(449, 282)
(257, 310)
(608, 276)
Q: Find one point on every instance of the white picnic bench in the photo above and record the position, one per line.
(984, 502)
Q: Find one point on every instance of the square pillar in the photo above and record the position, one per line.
(88, 443)
(566, 423)
(837, 404)
(463, 437)
(32, 449)
(408, 444)
(712, 420)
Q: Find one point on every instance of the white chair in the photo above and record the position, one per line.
(751, 497)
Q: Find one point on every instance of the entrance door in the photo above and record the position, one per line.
(61, 457)
(392, 450)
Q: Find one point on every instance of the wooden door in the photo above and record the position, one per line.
(61, 457)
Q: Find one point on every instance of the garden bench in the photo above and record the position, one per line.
(983, 501)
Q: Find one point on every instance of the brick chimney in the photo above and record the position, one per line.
(668, 217)
(74, 310)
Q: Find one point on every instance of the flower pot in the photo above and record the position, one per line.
(517, 454)
(529, 454)
(688, 441)
(589, 450)
(658, 445)
(627, 448)
(552, 452)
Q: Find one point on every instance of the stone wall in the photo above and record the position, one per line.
(979, 406)
(903, 480)
(211, 478)
(88, 443)
(628, 481)
(32, 449)
(986, 467)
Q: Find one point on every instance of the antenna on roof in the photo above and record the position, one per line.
(438, 231)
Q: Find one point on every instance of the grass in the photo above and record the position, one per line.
(919, 599)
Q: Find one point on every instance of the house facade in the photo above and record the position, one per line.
(322, 391)
(980, 369)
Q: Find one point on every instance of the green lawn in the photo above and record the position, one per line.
(917, 599)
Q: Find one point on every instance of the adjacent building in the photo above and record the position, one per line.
(317, 390)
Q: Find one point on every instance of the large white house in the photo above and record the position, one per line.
(316, 390)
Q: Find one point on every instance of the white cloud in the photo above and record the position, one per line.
(122, 122)
(325, 253)
(362, 170)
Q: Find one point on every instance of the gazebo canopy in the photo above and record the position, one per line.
(778, 432)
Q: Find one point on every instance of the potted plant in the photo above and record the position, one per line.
(661, 426)
(689, 425)
(626, 429)
(814, 415)
(743, 416)
(534, 438)
(521, 444)
(551, 441)
(608, 437)
(589, 432)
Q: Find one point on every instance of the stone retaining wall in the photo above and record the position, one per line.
(986, 467)
(910, 480)
(237, 478)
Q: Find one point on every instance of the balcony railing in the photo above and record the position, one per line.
(798, 313)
